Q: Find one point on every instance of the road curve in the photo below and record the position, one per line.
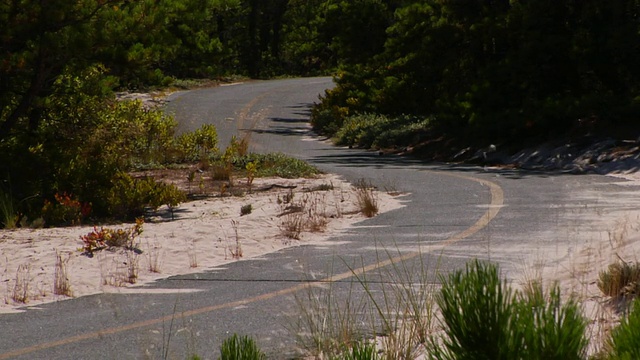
(451, 214)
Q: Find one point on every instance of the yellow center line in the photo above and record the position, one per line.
(497, 200)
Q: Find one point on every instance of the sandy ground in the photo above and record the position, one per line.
(204, 234)
(211, 232)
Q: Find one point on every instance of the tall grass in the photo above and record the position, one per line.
(393, 301)
(8, 213)
(240, 348)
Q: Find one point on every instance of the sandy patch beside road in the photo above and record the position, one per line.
(205, 234)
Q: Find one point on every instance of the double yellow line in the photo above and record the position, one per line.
(497, 200)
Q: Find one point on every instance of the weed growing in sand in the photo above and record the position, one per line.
(132, 267)
(330, 318)
(252, 170)
(154, 253)
(367, 202)
(240, 348)
(246, 210)
(119, 271)
(193, 255)
(105, 237)
(61, 284)
(21, 291)
(394, 302)
(620, 280)
(309, 213)
(236, 251)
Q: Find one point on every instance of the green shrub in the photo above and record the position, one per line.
(374, 130)
(129, 198)
(197, 145)
(484, 319)
(240, 348)
(625, 339)
(275, 164)
(328, 120)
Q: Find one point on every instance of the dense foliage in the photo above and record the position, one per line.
(408, 71)
(499, 70)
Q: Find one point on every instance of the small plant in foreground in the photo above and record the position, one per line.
(484, 319)
(240, 348)
(361, 350)
(625, 338)
(621, 279)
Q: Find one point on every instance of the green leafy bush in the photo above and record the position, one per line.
(375, 130)
(197, 145)
(484, 319)
(240, 348)
(129, 198)
(275, 164)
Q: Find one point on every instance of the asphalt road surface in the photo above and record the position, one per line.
(451, 214)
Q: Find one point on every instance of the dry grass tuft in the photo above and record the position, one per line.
(620, 280)
(61, 284)
(154, 253)
(20, 292)
(132, 267)
(367, 202)
(307, 214)
(193, 255)
(236, 250)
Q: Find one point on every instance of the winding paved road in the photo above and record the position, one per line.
(452, 213)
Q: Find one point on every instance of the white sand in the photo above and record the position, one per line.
(202, 237)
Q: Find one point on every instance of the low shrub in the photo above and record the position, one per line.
(484, 319)
(66, 210)
(375, 130)
(328, 120)
(129, 198)
(198, 145)
(107, 238)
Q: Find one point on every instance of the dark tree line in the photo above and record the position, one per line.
(478, 70)
(495, 70)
